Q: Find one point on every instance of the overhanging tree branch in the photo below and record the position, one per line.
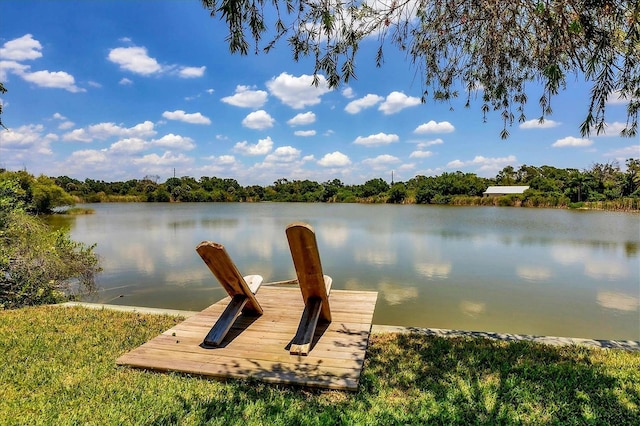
(490, 49)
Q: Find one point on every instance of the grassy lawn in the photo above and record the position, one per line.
(57, 367)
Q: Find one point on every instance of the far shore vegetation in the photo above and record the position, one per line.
(58, 367)
(603, 186)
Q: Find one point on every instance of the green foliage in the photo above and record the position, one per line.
(58, 368)
(460, 45)
(38, 265)
(39, 195)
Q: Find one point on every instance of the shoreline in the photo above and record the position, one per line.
(629, 345)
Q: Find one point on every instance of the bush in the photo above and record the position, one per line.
(38, 265)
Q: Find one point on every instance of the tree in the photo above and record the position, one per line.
(37, 265)
(3, 90)
(496, 48)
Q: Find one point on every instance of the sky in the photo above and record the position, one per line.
(119, 90)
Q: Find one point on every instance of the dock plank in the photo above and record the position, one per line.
(257, 347)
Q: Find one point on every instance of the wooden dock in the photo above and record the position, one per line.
(258, 347)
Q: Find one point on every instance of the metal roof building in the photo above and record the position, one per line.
(496, 191)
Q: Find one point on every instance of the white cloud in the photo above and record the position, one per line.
(570, 141)
(632, 151)
(381, 161)
(422, 145)
(108, 130)
(90, 157)
(179, 115)
(263, 147)
(125, 82)
(485, 164)
(420, 154)
(258, 120)
(25, 137)
(21, 49)
(298, 92)
(358, 105)
(52, 79)
(397, 101)
(134, 59)
(615, 98)
(612, 129)
(191, 72)
(433, 127)
(302, 119)
(11, 66)
(334, 159)
(66, 125)
(246, 98)
(347, 92)
(167, 159)
(283, 154)
(536, 124)
(375, 140)
(129, 146)
(172, 141)
(305, 133)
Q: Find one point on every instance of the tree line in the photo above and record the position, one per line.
(549, 187)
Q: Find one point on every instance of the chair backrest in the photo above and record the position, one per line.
(306, 259)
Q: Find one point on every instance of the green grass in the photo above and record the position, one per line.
(57, 367)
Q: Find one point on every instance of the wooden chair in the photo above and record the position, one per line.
(315, 286)
(240, 289)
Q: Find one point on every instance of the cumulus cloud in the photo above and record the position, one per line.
(484, 164)
(375, 140)
(245, 97)
(632, 151)
(26, 48)
(24, 137)
(426, 144)
(129, 146)
(258, 120)
(263, 147)
(570, 141)
(334, 159)
(367, 101)
(90, 157)
(172, 141)
(305, 133)
(166, 159)
(283, 154)
(612, 129)
(434, 127)
(536, 124)
(106, 130)
(381, 161)
(179, 115)
(615, 98)
(125, 82)
(191, 72)
(347, 92)
(21, 49)
(298, 92)
(396, 102)
(302, 119)
(420, 154)
(134, 59)
(52, 79)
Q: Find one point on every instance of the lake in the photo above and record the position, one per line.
(509, 270)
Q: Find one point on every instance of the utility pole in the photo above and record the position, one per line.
(391, 177)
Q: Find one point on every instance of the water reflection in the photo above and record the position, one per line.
(443, 267)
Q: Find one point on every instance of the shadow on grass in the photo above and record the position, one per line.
(417, 379)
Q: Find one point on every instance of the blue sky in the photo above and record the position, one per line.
(119, 90)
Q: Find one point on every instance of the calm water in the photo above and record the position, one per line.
(531, 271)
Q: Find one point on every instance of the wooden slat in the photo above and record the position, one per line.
(306, 259)
(258, 347)
(221, 265)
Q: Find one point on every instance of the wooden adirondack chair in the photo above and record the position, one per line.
(240, 289)
(315, 286)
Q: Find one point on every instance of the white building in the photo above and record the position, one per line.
(497, 191)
